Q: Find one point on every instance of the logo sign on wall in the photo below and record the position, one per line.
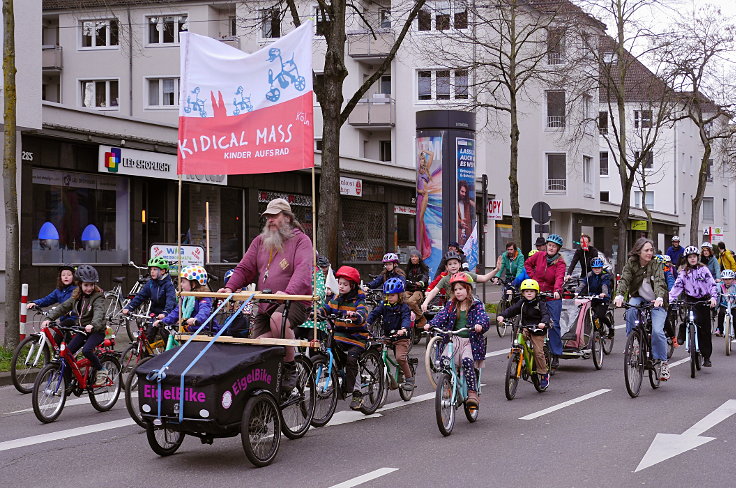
(495, 210)
(351, 186)
(190, 255)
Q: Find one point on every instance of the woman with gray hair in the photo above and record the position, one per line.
(643, 280)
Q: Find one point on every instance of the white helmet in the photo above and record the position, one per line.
(707, 244)
(675, 238)
(728, 274)
(691, 250)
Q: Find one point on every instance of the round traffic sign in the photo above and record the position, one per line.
(541, 212)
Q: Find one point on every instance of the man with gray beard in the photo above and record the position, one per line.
(280, 260)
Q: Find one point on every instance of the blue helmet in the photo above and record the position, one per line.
(596, 263)
(555, 238)
(228, 274)
(393, 285)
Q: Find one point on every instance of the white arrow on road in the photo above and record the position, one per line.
(665, 446)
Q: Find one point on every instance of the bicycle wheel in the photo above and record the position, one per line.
(407, 394)
(670, 347)
(112, 311)
(432, 359)
(132, 404)
(26, 360)
(693, 349)
(130, 359)
(606, 341)
(633, 364)
(325, 391)
(501, 327)
(298, 409)
(103, 397)
(596, 348)
(49, 393)
(726, 333)
(443, 406)
(371, 379)
(512, 379)
(163, 440)
(387, 382)
(260, 429)
(655, 374)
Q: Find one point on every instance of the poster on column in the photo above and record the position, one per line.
(429, 200)
(246, 113)
(465, 158)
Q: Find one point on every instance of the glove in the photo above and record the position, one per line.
(658, 302)
(618, 301)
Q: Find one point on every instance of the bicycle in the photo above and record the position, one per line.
(521, 364)
(509, 296)
(393, 376)
(32, 354)
(692, 344)
(140, 348)
(329, 373)
(53, 384)
(728, 332)
(638, 352)
(599, 340)
(117, 301)
(452, 390)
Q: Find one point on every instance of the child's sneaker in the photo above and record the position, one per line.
(409, 384)
(544, 381)
(357, 401)
(664, 374)
(101, 377)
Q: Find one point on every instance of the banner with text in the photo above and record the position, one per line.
(246, 113)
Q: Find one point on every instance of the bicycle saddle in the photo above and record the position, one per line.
(118, 279)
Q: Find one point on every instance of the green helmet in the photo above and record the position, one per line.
(158, 262)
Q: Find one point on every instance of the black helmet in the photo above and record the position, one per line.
(87, 274)
(452, 255)
(323, 262)
(66, 267)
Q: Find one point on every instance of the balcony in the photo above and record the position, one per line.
(555, 121)
(377, 112)
(233, 41)
(363, 46)
(556, 185)
(51, 58)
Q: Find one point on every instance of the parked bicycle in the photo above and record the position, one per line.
(117, 301)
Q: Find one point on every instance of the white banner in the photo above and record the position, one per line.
(190, 255)
(351, 186)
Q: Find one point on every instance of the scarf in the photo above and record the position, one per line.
(187, 307)
(551, 259)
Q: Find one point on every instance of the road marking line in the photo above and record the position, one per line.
(500, 352)
(70, 403)
(562, 405)
(64, 434)
(677, 363)
(365, 478)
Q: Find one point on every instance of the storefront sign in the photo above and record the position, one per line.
(133, 162)
(351, 187)
(293, 199)
(495, 210)
(190, 255)
(639, 225)
(404, 210)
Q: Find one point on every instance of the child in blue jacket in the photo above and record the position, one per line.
(194, 311)
(598, 282)
(396, 319)
(63, 291)
(159, 290)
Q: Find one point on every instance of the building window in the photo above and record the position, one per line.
(725, 211)
(100, 94)
(385, 85)
(649, 199)
(555, 109)
(588, 176)
(225, 215)
(233, 26)
(605, 196)
(166, 29)
(556, 173)
(610, 57)
(709, 171)
(648, 162)
(362, 236)
(318, 145)
(320, 22)
(642, 119)
(603, 158)
(163, 92)
(708, 211)
(586, 107)
(442, 16)
(319, 85)
(100, 33)
(384, 18)
(603, 122)
(555, 46)
(384, 150)
(442, 84)
(79, 218)
(270, 23)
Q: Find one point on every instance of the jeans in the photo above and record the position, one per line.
(555, 341)
(90, 342)
(659, 315)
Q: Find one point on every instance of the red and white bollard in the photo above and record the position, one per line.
(23, 309)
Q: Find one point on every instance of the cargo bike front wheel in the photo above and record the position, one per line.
(260, 429)
(163, 440)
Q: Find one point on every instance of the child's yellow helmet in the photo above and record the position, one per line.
(529, 285)
(532, 253)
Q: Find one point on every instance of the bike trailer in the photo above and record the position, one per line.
(572, 324)
(215, 388)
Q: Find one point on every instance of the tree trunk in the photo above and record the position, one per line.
(697, 200)
(514, 136)
(626, 180)
(10, 191)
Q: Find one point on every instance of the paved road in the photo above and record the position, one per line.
(585, 430)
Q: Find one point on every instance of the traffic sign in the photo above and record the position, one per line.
(541, 228)
(541, 212)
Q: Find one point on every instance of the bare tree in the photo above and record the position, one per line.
(10, 173)
(699, 45)
(332, 18)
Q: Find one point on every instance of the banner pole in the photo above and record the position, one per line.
(178, 248)
(207, 228)
(314, 251)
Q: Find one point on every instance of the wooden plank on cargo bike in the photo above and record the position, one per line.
(244, 295)
(263, 341)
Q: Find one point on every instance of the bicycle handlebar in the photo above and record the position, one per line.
(451, 332)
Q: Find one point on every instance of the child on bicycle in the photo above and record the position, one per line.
(396, 319)
(159, 290)
(462, 311)
(87, 303)
(696, 282)
(453, 262)
(65, 286)
(350, 337)
(194, 310)
(533, 313)
(726, 287)
(598, 282)
(390, 270)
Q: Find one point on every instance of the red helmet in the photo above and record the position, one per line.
(349, 273)
(461, 277)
